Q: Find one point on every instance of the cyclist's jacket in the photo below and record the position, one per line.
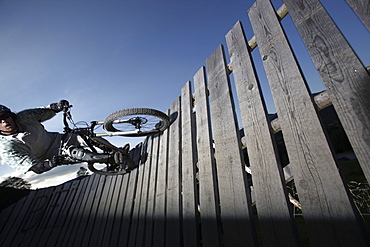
(32, 143)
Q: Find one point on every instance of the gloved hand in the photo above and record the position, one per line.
(58, 107)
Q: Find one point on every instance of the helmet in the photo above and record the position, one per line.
(3, 108)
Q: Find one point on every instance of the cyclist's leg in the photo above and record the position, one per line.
(74, 151)
(82, 154)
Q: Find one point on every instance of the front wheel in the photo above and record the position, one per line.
(137, 122)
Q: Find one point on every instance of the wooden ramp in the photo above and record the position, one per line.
(199, 183)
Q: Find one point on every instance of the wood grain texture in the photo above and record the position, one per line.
(136, 229)
(159, 216)
(235, 201)
(173, 189)
(208, 189)
(191, 189)
(152, 187)
(362, 9)
(321, 191)
(346, 79)
(272, 202)
(190, 215)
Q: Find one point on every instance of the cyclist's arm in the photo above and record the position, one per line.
(39, 114)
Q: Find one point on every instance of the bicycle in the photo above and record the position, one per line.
(131, 122)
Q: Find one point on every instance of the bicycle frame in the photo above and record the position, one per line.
(67, 115)
(137, 125)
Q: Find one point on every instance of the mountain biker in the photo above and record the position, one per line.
(25, 143)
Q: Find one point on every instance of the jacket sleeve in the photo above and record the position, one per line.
(39, 114)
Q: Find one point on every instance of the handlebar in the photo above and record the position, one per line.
(64, 104)
(66, 114)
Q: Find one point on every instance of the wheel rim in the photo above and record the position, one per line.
(140, 124)
(108, 169)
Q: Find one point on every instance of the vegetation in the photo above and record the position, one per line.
(82, 172)
(10, 196)
(16, 183)
(12, 190)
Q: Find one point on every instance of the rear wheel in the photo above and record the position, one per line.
(137, 122)
(111, 169)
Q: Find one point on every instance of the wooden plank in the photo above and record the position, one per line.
(85, 211)
(6, 214)
(78, 207)
(147, 238)
(72, 216)
(120, 206)
(49, 220)
(15, 220)
(190, 215)
(65, 210)
(272, 200)
(95, 227)
(7, 218)
(159, 215)
(208, 191)
(235, 201)
(328, 211)
(108, 213)
(89, 223)
(362, 9)
(346, 79)
(33, 217)
(125, 229)
(173, 189)
(141, 193)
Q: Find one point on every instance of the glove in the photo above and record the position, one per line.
(58, 107)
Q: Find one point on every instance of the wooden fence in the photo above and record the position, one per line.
(193, 185)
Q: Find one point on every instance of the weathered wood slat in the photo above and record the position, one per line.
(114, 230)
(102, 213)
(49, 221)
(15, 220)
(84, 211)
(362, 9)
(235, 201)
(272, 202)
(190, 216)
(159, 214)
(118, 198)
(6, 214)
(173, 189)
(33, 217)
(8, 220)
(124, 231)
(151, 196)
(208, 191)
(73, 215)
(143, 206)
(140, 195)
(101, 232)
(346, 79)
(321, 191)
(94, 202)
